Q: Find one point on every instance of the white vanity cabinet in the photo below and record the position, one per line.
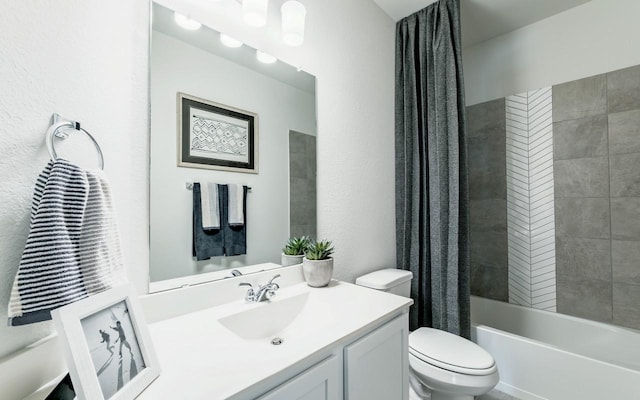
(339, 342)
(323, 381)
(376, 366)
(373, 367)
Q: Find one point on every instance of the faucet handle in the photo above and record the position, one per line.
(273, 279)
(250, 296)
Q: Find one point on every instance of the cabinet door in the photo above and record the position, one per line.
(323, 381)
(377, 365)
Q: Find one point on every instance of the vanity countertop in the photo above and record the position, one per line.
(200, 358)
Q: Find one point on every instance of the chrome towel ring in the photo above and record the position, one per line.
(59, 128)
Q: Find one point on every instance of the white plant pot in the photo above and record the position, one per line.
(290, 260)
(317, 273)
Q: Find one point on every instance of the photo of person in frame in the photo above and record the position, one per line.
(113, 371)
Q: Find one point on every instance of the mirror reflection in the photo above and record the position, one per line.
(281, 201)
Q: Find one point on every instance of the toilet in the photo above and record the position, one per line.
(442, 365)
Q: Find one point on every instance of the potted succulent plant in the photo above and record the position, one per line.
(317, 264)
(294, 249)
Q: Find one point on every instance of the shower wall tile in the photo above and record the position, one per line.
(579, 99)
(302, 185)
(582, 177)
(587, 258)
(624, 89)
(626, 298)
(484, 185)
(625, 259)
(297, 142)
(530, 197)
(488, 215)
(596, 188)
(624, 132)
(487, 194)
(486, 117)
(489, 282)
(625, 218)
(489, 248)
(625, 175)
(579, 138)
(585, 298)
(298, 165)
(582, 218)
(487, 166)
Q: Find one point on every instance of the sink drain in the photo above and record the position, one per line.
(277, 341)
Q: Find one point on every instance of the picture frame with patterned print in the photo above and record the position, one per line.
(216, 136)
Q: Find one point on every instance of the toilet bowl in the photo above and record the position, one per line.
(448, 366)
(442, 366)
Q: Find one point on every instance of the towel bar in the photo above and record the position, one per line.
(189, 186)
(57, 129)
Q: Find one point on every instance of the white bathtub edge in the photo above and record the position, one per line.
(514, 391)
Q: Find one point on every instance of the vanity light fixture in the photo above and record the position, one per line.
(293, 16)
(186, 22)
(254, 12)
(229, 41)
(265, 58)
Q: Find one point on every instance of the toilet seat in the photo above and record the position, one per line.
(450, 352)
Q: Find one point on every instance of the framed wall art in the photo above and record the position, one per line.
(107, 346)
(215, 136)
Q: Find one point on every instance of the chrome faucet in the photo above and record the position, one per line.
(264, 292)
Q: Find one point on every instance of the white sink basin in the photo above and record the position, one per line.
(266, 319)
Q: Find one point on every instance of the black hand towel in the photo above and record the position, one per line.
(235, 236)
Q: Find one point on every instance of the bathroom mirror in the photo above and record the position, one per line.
(282, 198)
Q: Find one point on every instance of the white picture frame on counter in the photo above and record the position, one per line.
(107, 345)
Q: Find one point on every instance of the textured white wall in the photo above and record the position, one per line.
(87, 59)
(596, 37)
(179, 67)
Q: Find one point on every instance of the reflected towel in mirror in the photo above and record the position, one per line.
(236, 204)
(235, 234)
(210, 205)
(205, 243)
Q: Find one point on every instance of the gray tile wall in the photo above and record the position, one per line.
(302, 184)
(597, 190)
(623, 92)
(488, 194)
(596, 125)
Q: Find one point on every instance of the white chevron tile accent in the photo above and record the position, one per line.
(530, 204)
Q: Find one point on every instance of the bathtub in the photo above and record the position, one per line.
(544, 355)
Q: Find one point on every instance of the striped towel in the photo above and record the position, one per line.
(73, 248)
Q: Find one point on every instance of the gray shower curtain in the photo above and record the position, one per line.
(432, 217)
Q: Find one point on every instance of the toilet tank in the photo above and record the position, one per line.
(392, 280)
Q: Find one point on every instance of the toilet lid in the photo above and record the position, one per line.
(451, 352)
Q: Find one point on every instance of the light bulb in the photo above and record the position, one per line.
(265, 58)
(186, 22)
(254, 12)
(229, 41)
(293, 15)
